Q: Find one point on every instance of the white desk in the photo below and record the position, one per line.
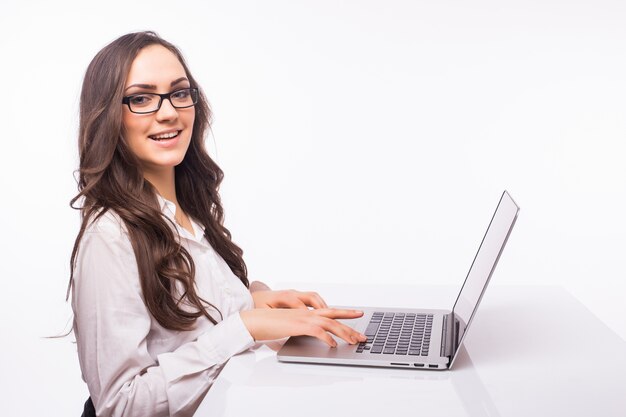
(531, 351)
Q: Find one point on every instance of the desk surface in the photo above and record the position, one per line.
(531, 351)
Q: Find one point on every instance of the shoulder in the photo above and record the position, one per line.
(105, 231)
(105, 254)
(108, 224)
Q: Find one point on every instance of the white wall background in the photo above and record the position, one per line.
(363, 142)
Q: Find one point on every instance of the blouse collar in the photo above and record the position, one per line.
(169, 209)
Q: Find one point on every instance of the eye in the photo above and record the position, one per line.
(140, 99)
(181, 94)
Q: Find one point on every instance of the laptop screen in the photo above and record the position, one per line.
(483, 265)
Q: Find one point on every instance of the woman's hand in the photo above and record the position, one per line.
(287, 299)
(271, 324)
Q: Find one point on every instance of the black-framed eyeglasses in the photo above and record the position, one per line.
(143, 103)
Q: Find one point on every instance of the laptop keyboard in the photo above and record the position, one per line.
(398, 333)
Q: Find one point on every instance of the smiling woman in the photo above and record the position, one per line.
(160, 291)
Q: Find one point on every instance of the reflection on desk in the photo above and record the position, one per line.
(532, 351)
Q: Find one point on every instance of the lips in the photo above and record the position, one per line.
(165, 135)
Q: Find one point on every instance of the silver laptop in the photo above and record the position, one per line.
(415, 338)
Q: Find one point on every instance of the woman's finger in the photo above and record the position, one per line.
(339, 313)
(339, 329)
(320, 333)
(313, 299)
(342, 331)
(292, 302)
(298, 299)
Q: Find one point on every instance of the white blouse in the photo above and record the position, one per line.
(131, 364)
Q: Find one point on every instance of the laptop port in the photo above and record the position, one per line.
(433, 366)
(419, 365)
(401, 364)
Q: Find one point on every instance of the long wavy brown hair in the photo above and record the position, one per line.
(110, 178)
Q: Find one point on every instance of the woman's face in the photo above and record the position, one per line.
(160, 139)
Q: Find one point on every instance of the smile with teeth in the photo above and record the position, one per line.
(164, 136)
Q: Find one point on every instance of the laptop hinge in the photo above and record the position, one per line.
(447, 336)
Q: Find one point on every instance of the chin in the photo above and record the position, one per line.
(171, 163)
(159, 164)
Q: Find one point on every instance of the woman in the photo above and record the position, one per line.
(160, 291)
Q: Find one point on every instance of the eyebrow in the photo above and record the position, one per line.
(153, 87)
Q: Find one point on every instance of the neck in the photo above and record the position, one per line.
(164, 182)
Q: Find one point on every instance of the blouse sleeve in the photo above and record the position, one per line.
(112, 325)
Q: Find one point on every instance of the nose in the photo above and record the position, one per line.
(166, 112)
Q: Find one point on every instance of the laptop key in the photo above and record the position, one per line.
(388, 351)
(371, 329)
